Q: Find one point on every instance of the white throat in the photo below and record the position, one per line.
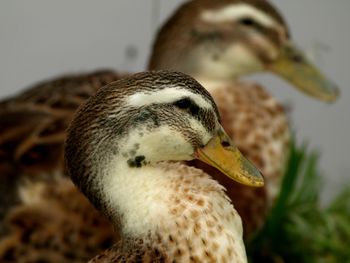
(168, 198)
(211, 85)
(234, 62)
(138, 194)
(175, 200)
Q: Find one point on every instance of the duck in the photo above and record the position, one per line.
(34, 122)
(122, 151)
(217, 43)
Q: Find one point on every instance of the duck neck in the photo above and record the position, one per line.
(136, 196)
(213, 84)
(175, 206)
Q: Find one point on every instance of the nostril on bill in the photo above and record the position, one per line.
(225, 144)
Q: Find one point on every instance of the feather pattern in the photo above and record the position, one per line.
(33, 123)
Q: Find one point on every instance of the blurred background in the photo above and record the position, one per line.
(40, 39)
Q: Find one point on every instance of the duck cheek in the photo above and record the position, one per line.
(165, 144)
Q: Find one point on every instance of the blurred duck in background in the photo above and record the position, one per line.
(216, 42)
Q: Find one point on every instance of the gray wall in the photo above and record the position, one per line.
(40, 39)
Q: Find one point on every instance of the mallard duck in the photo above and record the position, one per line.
(217, 42)
(33, 123)
(117, 152)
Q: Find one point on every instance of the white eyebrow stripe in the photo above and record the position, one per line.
(235, 12)
(167, 95)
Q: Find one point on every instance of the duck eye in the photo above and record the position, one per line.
(247, 21)
(183, 103)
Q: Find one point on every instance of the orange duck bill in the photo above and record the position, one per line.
(221, 153)
(293, 66)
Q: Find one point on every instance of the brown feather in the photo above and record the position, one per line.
(57, 225)
(257, 123)
(32, 132)
(33, 124)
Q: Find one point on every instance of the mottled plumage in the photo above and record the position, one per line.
(33, 129)
(260, 128)
(197, 230)
(55, 223)
(33, 123)
(164, 212)
(217, 42)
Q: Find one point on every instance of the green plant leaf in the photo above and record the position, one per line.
(299, 229)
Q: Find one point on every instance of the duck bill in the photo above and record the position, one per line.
(293, 66)
(221, 153)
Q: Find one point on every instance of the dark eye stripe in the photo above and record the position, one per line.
(250, 22)
(272, 33)
(187, 104)
(184, 103)
(206, 116)
(194, 109)
(247, 21)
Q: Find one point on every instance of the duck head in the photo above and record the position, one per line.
(227, 39)
(133, 124)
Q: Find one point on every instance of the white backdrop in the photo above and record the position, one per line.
(40, 39)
